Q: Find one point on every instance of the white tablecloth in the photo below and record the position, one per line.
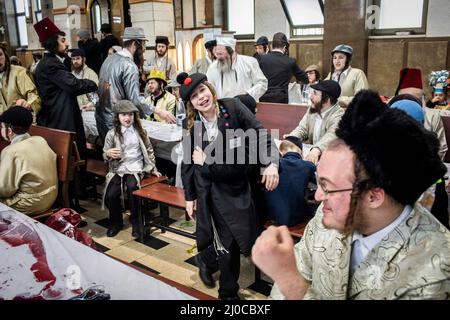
(90, 126)
(27, 245)
(156, 130)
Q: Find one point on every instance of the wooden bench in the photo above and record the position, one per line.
(166, 196)
(283, 117)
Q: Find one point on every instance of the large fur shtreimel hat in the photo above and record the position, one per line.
(398, 154)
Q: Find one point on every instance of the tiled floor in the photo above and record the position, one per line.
(167, 254)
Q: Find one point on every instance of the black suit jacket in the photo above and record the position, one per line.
(58, 89)
(279, 69)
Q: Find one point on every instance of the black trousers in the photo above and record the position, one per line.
(229, 263)
(113, 199)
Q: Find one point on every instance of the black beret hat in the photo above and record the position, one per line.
(262, 41)
(106, 28)
(17, 116)
(295, 140)
(398, 154)
(210, 44)
(77, 53)
(332, 88)
(189, 83)
(162, 39)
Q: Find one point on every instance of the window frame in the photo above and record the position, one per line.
(17, 15)
(294, 27)
(392, 32)
(38, 10)
(240, 36)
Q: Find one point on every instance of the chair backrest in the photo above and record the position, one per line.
(284, 117)
(446, 122)
(61, 142)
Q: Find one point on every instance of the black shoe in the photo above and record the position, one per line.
(82, 224)
(135, 232)
(204, 273)
(113, 230)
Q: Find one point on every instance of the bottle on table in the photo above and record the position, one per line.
(180, 113)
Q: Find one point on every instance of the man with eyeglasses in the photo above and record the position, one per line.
(319, 124)
(370, 238)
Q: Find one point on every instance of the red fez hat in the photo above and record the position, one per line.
(410, 78)
(45, 29)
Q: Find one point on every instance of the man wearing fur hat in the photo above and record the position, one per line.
(369, 239)
(161, 60)
(235, 75)
(28, 183)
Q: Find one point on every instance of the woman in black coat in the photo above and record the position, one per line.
(215, 179)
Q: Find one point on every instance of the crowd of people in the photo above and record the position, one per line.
(371, 160)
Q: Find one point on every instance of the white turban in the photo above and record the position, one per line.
(227, 42)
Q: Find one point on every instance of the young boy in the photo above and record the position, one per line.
(286, 205)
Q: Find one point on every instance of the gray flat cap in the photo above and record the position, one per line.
(83, 33)
(132, 33)
(124, 106)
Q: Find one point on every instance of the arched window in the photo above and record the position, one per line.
(96, 16)
(180, 57)
(187, 57)
(198, 48)
(21, 8)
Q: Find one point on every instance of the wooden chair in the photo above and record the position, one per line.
(67, 158)
(284, 117)
(61, 142)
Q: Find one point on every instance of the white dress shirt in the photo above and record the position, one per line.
(212, 128)
(132, 159)
(244, 77)
(318, 124)
(362, 245)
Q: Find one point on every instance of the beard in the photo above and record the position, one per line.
(316, 107)
(224, 66)
(78, 68)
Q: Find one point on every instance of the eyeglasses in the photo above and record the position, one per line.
(327, 191)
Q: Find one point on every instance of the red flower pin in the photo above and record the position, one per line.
(187, 81)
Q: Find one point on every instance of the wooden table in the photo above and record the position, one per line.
(166, 196)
